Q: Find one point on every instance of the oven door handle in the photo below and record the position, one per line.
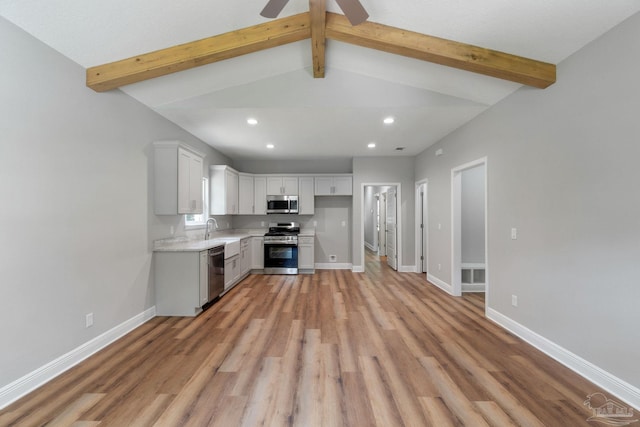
(280, 244)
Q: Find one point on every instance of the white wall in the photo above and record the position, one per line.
(76, 219)
(563, 169)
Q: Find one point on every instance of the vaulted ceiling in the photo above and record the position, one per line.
(338, 115)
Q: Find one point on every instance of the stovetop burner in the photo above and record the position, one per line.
(283, 229)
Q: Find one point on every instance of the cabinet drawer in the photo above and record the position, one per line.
(305, 240)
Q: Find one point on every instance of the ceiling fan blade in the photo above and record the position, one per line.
(353, 10)
(273, 8)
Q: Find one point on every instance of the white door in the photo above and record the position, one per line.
(390, 227)
(382, 222)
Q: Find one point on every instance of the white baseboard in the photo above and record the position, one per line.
(473, 287)
(614, 385)
(407, 269)
(334, 266)
(371, 247)
(357, 269)
(15, 390)
(440, 283)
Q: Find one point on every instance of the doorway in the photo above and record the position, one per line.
(469, 260)
(380, 202)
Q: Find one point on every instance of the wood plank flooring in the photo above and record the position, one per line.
(332, 349)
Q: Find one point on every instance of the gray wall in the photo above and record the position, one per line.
(472, 215)
(301, 166)
(383, 170)
(76, 218)
(563, 169)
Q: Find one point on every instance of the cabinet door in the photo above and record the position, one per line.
(184, 182)
(231, 180)
(323, 185)
(290, 184)
(204, 277)
(245, 195)
(260, 195)
(343, 185)
(245, 256)
(306, 253)
(274, 185)
(257, 253)
(306, 198)
(195, 184)
(230, 271)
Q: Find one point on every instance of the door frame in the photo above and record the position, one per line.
(456, 226)
(398, 186)
(422, 212)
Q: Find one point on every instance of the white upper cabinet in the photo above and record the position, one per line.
(246, 201)
(223, 181)
(285, 185)
(339, 185)
(177, 179)
(260, 195)
(306, 200)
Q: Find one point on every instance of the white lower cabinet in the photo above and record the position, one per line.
(181, 281)
(306, 263)
(257, 253)
(231, 271)
(245, 256)
(204, 277)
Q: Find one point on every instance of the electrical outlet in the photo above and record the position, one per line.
(514, 233)
(514, 300)
(89, 320)
(439, 267)
(439, 226)
(333, 258)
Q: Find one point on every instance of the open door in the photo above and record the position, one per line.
(382, 221)
(391, 228)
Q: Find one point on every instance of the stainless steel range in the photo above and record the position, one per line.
(281, 248)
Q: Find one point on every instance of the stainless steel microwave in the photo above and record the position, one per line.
(282, 204)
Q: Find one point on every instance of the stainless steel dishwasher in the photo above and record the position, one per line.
(216, 272)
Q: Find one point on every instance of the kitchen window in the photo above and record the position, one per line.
(199, 220)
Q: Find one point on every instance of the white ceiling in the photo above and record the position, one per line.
(303, 117)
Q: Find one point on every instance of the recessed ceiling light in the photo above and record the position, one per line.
(388, 120)
(372, 145)
(271, 146)
(252, 121)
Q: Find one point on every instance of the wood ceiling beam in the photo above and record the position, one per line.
(441, 51)
(206, 51)
(318, 12)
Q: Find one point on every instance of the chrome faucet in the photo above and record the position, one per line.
(207, 233)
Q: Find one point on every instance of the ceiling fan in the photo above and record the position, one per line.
(353, 10)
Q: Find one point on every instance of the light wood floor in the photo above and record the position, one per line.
(332, 349)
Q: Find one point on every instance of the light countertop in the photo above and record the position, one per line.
(219, 238)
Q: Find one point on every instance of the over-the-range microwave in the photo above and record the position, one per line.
(278, 204)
